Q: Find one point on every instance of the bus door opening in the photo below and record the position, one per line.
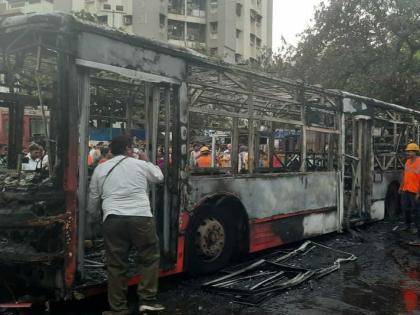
(358, 166)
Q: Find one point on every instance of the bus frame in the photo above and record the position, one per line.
(353, 180)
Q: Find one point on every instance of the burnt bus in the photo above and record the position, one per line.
(289, 160)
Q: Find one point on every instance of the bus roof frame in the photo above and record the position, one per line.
(60, 22)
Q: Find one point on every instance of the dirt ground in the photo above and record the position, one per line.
(385, 279)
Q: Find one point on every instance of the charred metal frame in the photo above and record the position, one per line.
(185, 83)
(256, 282)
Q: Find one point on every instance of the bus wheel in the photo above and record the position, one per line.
(210, 241)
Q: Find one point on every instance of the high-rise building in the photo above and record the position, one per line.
(16, 7)
(234, 30)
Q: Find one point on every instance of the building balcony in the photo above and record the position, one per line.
(176, 7)
(186, 18)
(196, 13)
(196, 45)
(10, 8)
(178, 11)
(11, 12)
(176, 30)
(196, 9)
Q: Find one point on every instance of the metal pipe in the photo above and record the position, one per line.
(213, 151)
(44, 118)
(166, 194)
(154, 137)
(82, 189)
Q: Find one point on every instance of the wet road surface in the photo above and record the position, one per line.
(385, 279)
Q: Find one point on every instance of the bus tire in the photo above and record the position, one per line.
(393, 201)
(210, 241)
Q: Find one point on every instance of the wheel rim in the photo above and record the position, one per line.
(211, 238)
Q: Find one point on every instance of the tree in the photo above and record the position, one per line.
(370, 47)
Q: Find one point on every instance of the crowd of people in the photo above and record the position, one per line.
(100, 152)
(33, 158)
(201, 157)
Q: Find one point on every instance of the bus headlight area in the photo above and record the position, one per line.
(250, 161)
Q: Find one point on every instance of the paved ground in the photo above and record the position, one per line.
(384, 280)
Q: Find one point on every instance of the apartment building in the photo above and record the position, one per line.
(234, 30)
(16, 7)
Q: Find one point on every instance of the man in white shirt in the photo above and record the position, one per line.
(33, 158)
(194, 154)
(122, 185)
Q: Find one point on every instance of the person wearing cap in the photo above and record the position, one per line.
(204, 159)
(409, 188)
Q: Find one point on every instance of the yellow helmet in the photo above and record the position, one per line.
(412, 147)
(204, 149)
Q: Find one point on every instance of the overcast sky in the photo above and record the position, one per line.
(291, 17)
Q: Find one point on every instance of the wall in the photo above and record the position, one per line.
(146, 18)
(63, 6)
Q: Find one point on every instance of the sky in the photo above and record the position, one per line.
(291, 17)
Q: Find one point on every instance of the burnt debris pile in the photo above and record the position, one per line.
(253, 283)
(32, 217)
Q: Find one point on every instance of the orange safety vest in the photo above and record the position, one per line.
(411, 181)
(90, 160)
(204, 161)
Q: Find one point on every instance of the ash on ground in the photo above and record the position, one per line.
(385, 279)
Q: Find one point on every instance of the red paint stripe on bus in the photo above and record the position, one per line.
(263, 234)
(288, 215)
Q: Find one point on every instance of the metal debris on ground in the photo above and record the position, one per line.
(253, 283)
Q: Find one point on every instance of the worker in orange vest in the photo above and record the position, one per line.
(410, 188)
(204, 159)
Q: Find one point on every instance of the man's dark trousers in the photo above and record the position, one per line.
(411, 208)
(121, 233)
